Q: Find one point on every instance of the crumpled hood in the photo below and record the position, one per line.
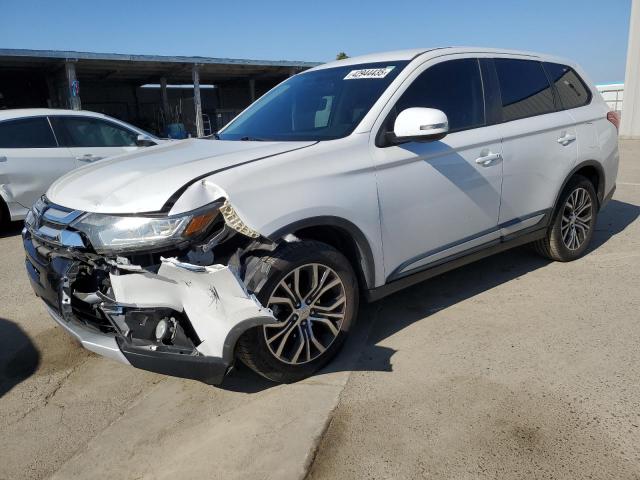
(143, 181)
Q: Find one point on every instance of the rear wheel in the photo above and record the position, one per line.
(313, 293)
(573, 222)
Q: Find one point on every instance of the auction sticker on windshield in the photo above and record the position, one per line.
(369, 73)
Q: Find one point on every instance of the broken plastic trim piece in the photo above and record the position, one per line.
(123, 264)
(220, 237)
(187, 266)
(213, 299)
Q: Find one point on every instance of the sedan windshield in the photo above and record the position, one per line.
(318, 105)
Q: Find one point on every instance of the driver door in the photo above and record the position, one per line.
(439, 199)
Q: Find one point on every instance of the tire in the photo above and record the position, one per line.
(560, 244)
(285, 357)
(4, 214)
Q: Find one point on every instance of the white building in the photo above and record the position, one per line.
(630, 126)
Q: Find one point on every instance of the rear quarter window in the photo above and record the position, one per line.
(572, 90)
(27, 133)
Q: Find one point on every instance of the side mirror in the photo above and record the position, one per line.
(420, 125)
(144, 141)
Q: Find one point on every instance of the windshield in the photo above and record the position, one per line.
(141, 131)
(317, 105)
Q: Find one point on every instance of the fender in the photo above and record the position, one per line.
(4, 195)
(171, 201)
(365, 254)
(9, 207)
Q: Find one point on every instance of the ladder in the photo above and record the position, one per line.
(206, 125)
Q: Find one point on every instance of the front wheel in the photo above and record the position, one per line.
(4, 213)
(573, 223)
(313, 294)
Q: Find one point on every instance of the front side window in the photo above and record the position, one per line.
(524, 87)
(27, 133)
(572, 90)
(455, 87)
(317, 105)
(91, 132)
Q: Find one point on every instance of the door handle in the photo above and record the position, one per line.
(88, 157)
(489, 159)
(566, 138)
(3, 159)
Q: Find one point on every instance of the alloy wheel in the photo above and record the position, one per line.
(309, 304)
(577, 219)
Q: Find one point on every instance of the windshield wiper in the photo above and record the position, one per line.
(252, 139)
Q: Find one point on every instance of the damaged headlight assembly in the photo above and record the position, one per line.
(108, 233)
(181, 315)
(115, 233)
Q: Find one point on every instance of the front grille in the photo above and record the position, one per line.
(87, 279)
(54, 253)
(50, 223)
(90, 316)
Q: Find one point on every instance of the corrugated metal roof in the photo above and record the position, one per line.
(148, 68)
(121, 57)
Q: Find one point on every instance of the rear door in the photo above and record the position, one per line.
(91, 139)
(30, 159)
(575, 97)
(539, 143)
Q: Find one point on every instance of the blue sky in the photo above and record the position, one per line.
(592, 32)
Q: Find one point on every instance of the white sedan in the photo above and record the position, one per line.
(39, 145)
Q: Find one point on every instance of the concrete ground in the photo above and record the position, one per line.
(510, 368)
(513, 367)
(66, 413)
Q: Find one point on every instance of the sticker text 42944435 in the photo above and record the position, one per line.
(369, 73)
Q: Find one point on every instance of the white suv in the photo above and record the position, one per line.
(356, 178)
(39, 145)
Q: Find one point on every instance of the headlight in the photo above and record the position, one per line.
(39, 206)
(115, 233)
(30, 220)
(34, 212)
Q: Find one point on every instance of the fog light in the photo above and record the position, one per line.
(162, 330)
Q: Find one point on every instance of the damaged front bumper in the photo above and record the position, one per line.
(177, 319)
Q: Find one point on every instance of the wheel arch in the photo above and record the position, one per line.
(341, 234)
(5, 214)
(593, 171)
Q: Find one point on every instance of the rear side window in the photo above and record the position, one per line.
(455, 87)
(524, 88)
(27, 133)
(570, 87)
(91, 132)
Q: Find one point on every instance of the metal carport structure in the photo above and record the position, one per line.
(41, 78)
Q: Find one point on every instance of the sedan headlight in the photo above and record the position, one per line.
(116, 233)
(34, 212)
(30, 219)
